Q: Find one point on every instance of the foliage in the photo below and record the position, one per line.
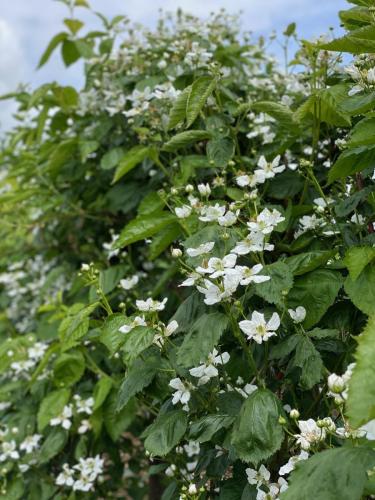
(188, 267)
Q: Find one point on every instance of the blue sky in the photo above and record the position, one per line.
(26, 26)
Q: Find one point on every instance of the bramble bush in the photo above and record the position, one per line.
(188, 267)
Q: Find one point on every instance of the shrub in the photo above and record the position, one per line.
(188, 268)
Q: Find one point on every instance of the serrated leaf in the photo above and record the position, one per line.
(136, 341)
(257, 434)
(202, 338)
(357, 258)
(166, 432)
(306, 262)
(111, 337)
(220, 151)
(130, 160)
(178, 111)
(331, 475)
(281, 282)
(201, 89)
(352, 161)
(68, 368)
(206, 427)
(361, 399)
(143, 227)
(316, 291)
(283, 115)
(362, 290)
(358, 41)
(185, 139)
(53, 444)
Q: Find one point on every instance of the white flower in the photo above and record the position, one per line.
(258, 329)
(9, 451)
(168, 331)
(336, 384)
(266, 221)
(150, 305)
(270, 169)
(258, 477)
(310, 433)
(30, 443)
(254, 242)
(65, 478)
(129, 283)
(369, 430)
(217, 267)
(309, 222)
(246, 390)
(182, 393)
(290, 465)
(85, 426)
(192, 448)
(208, 369)
(204, 189)
(83, 484)
(37, 351)
(211, 213)
(370, 77)
(357, 219)
(298, 315)
(228, 219)
(183, 212)
(90, 466)
(192, 489)
(84, 405)
(250, 275)
(258, 177)
(213, 294)
(191, 279)
(137, 321)
(204, 248)
(64, 418)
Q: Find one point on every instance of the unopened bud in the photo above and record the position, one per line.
(294, 414)
(176, 253)
(282, 420)
(189, 188)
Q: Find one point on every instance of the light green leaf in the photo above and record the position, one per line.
(53, 44)
(75, 325)
(111, 158)
(110, 336)
(53, 444)
(357, 258)
(257, 434)
(283, 115)
(351, 161)
(143, 227)
(358, 41)
(361, 400)
(220, 151)
(136, 341)
(101, 390)
(68, 368)
(178, 111)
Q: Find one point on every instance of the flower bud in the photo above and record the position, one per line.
(176, 253)
(294, 414)
(189, 188)
(282, 420)
(336, 383)
(174, 191)
(320, 423)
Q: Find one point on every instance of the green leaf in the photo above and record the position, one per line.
(178, 111)
(197, 97)
(185, 139)
(352, 161)
(138, 377)
(281, 282)
(357, 258)
(151, 203)
(362, 290)
(361, 399)
(323, 333)
(101, 390)
(257, 434)
(204, 429)
(110, 336)
(14, 490)
(166, 432)
(282, 114)
(70, 52)
(358, 41)
(116, 422)
(344, 207)
(316, 291)
(53, 44)
(220, 151)
(163, 240)
(202, 338)
(52, 406)
(68, 368)
(53, 444)
(74, 25)
(331, 475)
(136, 341)
(75, 325)
(131, 159)
(86, 148)
(143, 227)
(324, 106)
(110, 278)
(61, 155)
(362, 134)
(111, 158)
(308, 359)
(306, 262)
